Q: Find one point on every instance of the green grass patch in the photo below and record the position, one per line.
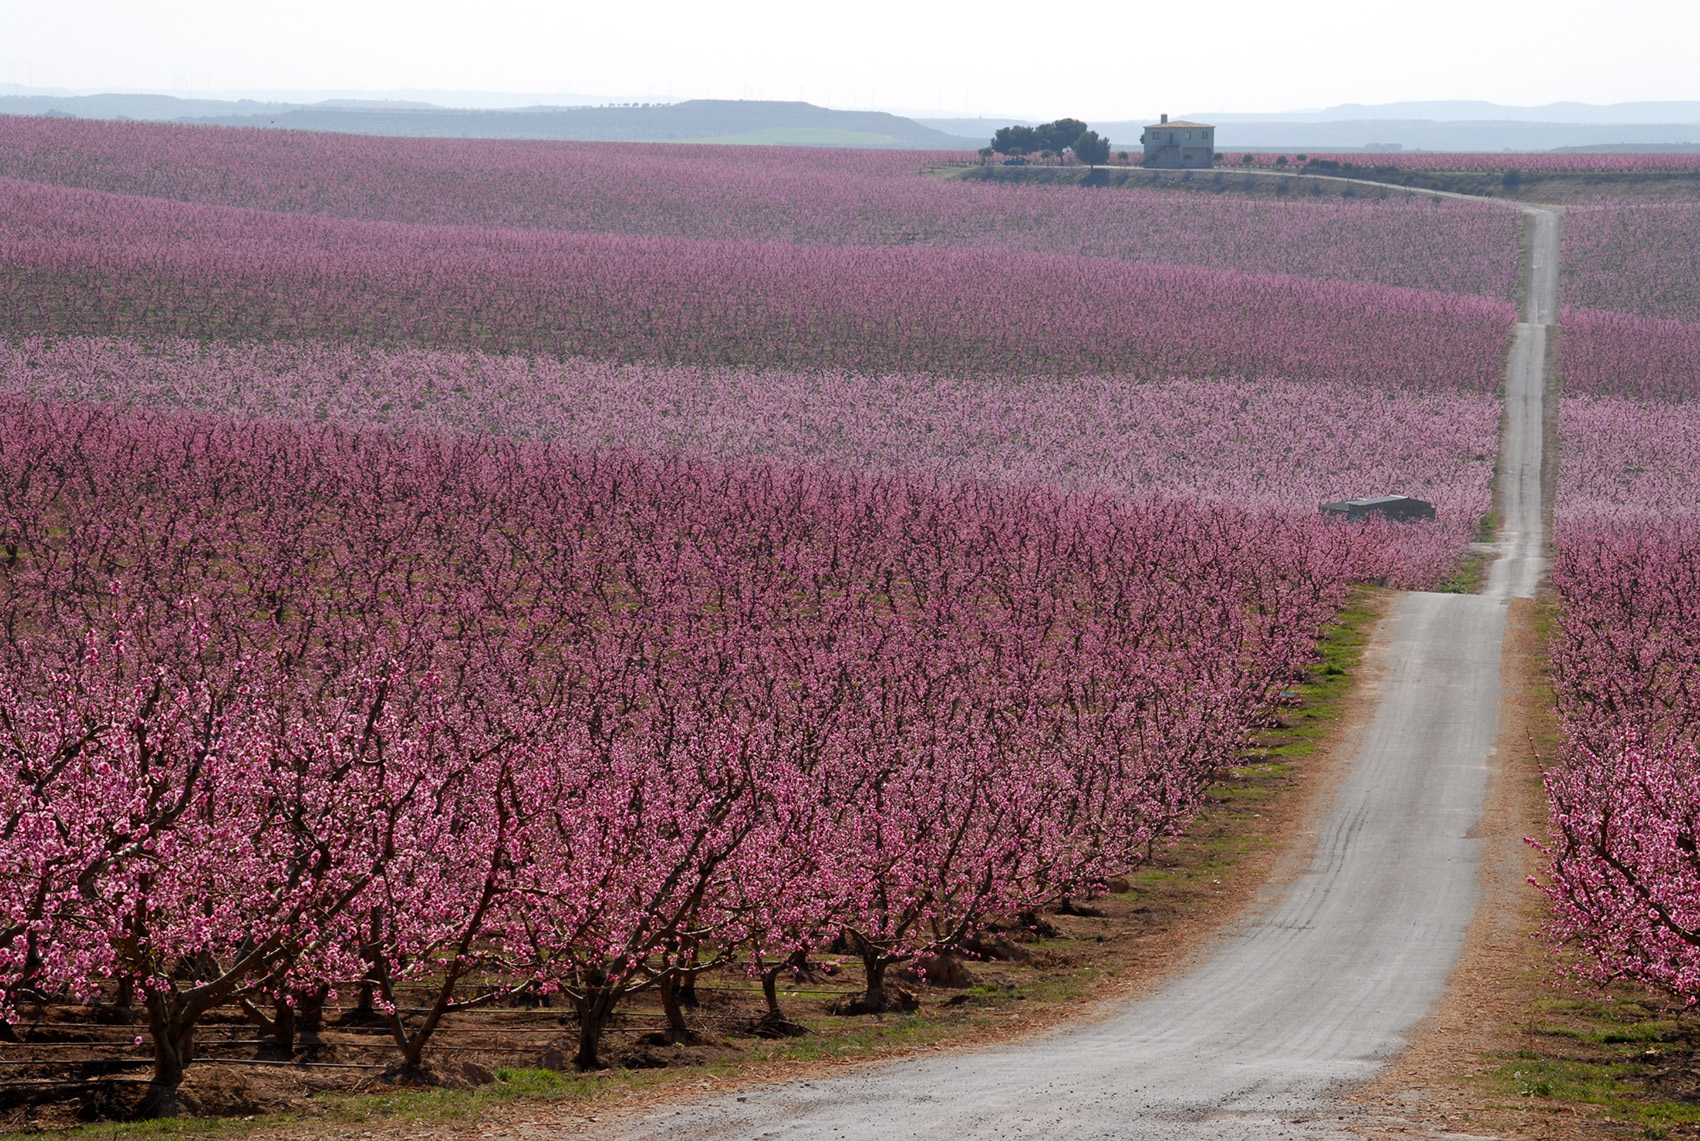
(1467, 577)
(426, 1105)
(1321, 696)
(168, 1127)
(1633, 1059)
(511, 1084)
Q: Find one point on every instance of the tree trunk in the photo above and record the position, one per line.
(310, 1015)
(671, 990)
(172, 1025)
(283, 1022)
(774, 1024)
(160, 1101)
(595, 1007)
(279, 1026)
(878, 998)
(412, 1043)
(873, 970)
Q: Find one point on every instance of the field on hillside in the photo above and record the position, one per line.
(1631, 297)
(758, 194)
(82, 262)
(441, 576)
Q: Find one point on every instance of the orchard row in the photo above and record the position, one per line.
(80, 262)
(1270, 443)
(1625, 824)
(307, 707)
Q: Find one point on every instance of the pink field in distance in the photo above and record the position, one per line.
(1266, 444)
(80, 262)
(1605, 353)
(795, 195)
(1631, 322)
(1640, 258)
(1626, 457)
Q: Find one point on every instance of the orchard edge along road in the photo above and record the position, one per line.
(1304, 996)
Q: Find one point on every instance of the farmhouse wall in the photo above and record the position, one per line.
(1179, 145)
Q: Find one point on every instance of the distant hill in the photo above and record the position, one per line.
(696, 120)
(161, 108)
(1473, 110)
(981, 128)
(1428, 126)
(1429, 135)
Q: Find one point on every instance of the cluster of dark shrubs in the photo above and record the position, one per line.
(1062, 137)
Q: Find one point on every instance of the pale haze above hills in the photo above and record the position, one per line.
(1432, 125)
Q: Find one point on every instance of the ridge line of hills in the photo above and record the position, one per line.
(695, 120)
(1661, 127)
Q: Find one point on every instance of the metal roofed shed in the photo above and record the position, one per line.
(1398, 508)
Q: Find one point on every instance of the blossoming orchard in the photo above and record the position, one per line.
(438, 574)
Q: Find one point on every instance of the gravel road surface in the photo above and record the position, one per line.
(1315, 987)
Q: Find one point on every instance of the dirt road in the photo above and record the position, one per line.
(1315, 987)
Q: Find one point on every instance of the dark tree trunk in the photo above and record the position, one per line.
(671, 993)
(282, 1026)
(121, 1010)
(412, 1043)
(595, 1007)
(160, 1101)
(292, 1016)
(774, 1024)
(873, 969)
(878, 997)
(310, 1015)
(171, 1022)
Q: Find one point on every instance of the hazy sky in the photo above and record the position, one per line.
(1099, 58)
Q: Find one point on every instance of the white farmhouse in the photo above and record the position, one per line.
(1179, 145)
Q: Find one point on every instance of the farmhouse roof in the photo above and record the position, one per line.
(1379, 500)
(1180, 123)
(1400, 508)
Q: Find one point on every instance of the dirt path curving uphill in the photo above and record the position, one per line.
(1313, 989)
